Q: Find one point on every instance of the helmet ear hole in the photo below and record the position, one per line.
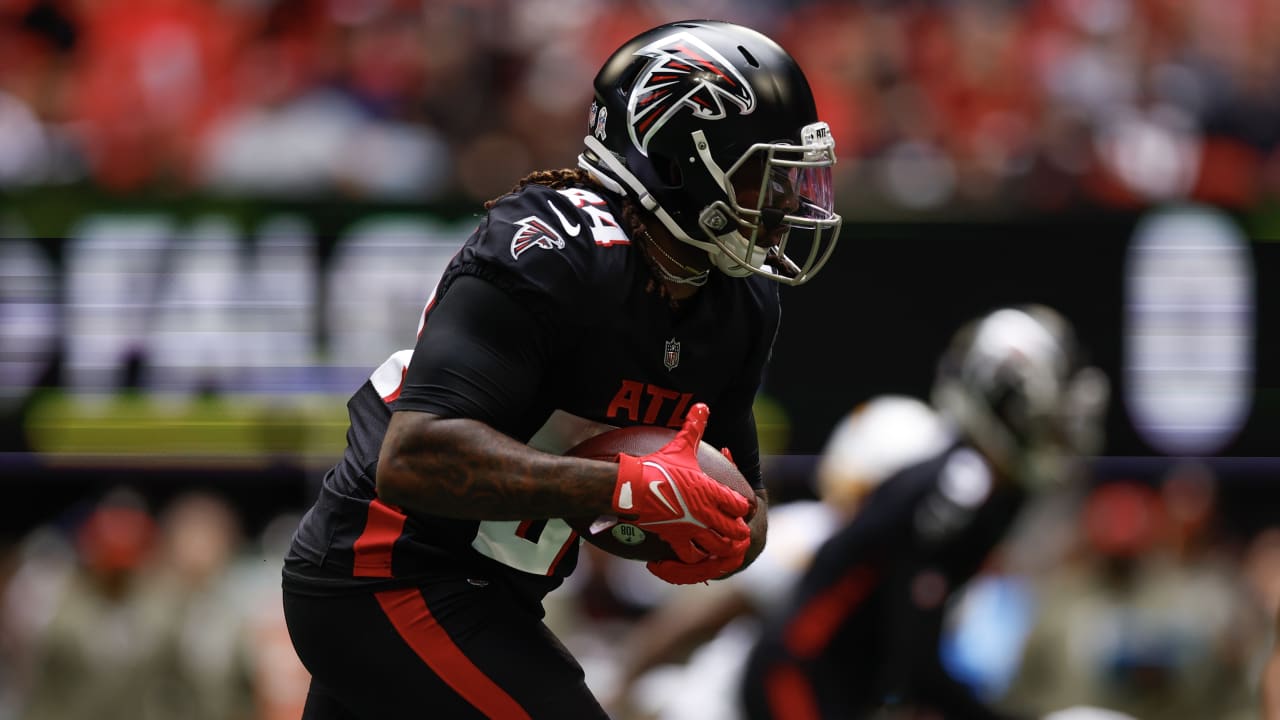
(674, 174)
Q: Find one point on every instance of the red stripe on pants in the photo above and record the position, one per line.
(789, 694)
(382, 527)
(812, 628)
(412, 618)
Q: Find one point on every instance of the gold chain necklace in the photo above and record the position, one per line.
(697, 279)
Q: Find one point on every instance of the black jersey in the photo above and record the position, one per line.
(597, 346)
(862, 628)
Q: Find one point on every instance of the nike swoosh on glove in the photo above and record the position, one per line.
(680, 573)
(667, 493)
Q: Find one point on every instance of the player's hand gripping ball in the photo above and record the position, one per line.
(672, 487)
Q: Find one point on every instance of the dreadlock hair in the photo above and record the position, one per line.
(571, 177)
(557, 179)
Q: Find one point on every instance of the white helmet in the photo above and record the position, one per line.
(880, 437)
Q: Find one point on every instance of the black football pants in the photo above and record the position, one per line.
(448, 649)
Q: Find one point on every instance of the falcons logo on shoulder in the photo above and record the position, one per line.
(685, 74)
(533, 231)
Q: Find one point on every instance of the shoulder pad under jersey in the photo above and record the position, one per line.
(566, 244)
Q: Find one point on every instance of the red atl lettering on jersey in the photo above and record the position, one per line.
(642, 402)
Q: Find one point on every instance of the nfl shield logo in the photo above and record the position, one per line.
(671, 354)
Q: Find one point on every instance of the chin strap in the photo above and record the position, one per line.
(612, 185)
(613, 174)
(616, 175)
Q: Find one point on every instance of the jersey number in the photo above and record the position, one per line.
(605, 230)
(516, 544)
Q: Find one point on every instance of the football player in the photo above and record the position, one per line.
(860, 633)
(872, 442)
(640, 287)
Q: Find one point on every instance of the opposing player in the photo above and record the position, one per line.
(873, 442)
(860, 634)
(639, 288)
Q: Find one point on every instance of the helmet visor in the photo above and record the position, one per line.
(777, 189)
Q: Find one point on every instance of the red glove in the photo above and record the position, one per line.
(679, 573)
(666, 492)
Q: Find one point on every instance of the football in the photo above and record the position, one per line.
(624, 539)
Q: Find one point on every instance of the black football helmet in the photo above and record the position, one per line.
(712, 127)
(1015, 384)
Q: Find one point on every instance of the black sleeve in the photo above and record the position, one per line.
(738, 430)
(950, 533)
(481, 355)
(739, 435)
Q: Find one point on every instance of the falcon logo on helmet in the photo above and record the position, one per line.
(686, 74)
(533, 231)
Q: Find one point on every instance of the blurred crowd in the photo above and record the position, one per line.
(126, 607)
(1004, 103)
(1122, 594)
(1127, 594)
(122, 608)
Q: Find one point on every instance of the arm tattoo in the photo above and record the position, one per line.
(465, 469)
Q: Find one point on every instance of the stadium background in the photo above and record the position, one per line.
(218, 217)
